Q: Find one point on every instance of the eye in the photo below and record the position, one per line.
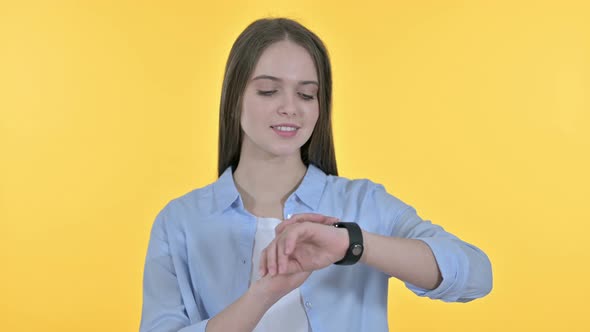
(306, 97)
(266, 93)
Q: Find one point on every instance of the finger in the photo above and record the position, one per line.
(301, 217)
(282, 257)
(292, 235)
(312, 217)
(262, 270)
(331, 221)
(271, 256)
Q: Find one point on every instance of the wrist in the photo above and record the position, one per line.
(262, 295)
(355, 246)
(343, 243)
(366, 240)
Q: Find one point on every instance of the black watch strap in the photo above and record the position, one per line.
(355, 247)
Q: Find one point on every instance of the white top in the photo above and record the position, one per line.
(288, 314)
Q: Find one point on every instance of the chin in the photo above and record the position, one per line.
(284, 153)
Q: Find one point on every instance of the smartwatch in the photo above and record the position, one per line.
(355, 246)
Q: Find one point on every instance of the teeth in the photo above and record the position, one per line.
(282, 128)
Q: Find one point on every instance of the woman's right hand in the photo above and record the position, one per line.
(270, 288)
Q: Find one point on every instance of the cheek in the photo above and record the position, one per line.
(311, 122)
(256, 107)
(250, 112)
(314, 115)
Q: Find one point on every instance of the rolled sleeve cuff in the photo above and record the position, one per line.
(453, 267)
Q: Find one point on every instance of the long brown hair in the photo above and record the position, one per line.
(244, 54)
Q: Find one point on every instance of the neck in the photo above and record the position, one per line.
(268, 181)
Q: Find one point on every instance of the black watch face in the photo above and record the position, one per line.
(357, 249)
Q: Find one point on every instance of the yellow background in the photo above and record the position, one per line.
(474, 112)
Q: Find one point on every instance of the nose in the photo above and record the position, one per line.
(289, 105)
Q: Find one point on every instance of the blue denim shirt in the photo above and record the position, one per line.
(200, 252)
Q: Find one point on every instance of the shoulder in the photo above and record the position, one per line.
(201, 197)
(364, 190)
(349, 186)
(191, 205)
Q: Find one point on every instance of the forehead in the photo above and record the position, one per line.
(286, 60)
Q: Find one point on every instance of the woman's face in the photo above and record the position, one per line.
(280, 106)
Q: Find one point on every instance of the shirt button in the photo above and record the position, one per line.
(243, 261)
(308, 305)
(289, 216)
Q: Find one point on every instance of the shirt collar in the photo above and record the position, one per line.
(312, 187)
(309, 191)
(225, 192)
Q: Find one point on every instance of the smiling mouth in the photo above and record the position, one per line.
(284, 128)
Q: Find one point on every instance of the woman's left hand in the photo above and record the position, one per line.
(304, 246)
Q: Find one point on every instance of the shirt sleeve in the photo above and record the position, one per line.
(163, 308)
(466, 270)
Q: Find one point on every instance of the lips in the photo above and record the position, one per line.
(285, 125)
(285, 130)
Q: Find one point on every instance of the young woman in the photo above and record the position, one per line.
(280, 242)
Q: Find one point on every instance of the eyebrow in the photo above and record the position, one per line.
(272, 78)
